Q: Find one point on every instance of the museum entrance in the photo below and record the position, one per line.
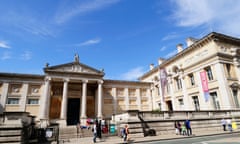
(169, 105)
(73, 110)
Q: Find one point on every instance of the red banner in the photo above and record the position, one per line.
(204, 81)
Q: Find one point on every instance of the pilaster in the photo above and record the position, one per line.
(223, 87)
(5, 88)
(139, 105)
(126, 94)
(44, 107)
(24, 97)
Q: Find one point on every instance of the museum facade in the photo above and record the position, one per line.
(203, 76)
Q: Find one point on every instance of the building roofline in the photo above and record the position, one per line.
(211, 36)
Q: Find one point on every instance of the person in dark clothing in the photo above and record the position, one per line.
(177, 126)
(224, 122)
(94, 130)
(99, 129)
(188, 127)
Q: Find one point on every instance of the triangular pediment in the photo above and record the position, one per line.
(74, 67)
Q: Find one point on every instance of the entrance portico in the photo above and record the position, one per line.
(68, 87)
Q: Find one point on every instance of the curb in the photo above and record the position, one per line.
(184, 137)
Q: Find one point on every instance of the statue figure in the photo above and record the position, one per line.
(76, 58)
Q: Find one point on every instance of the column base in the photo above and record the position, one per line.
(100, 117)
(62, 122)
(83, 120)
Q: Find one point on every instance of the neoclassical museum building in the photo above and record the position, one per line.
(205, 75)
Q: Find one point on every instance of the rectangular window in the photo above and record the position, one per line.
(179, 83)
(228, 68)
(13, 101)
(168, 88)
(32, 101)
(209, 73)
(215, 101)
(196, 103)
(180, 101)
(191, 78)
(235, 96)
(160, 106)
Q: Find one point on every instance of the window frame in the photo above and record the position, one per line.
(209, 73)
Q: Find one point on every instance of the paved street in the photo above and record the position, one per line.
(200, 137)
(215, 139)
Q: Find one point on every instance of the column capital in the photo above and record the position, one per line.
(100, 81)
(47, 78)
(66, 80)
(84, 81)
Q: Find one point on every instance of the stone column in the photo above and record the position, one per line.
(44, 108)
(4, 96)
(237, 68)
(64, 100)
(24, 97)
(84, 99)
(114, 92)
(223, 87)
(100, 98)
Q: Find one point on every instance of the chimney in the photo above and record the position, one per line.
(160, 61)
(179, 47)
(190, 41)
(151, 66)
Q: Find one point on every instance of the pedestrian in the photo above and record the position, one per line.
(188, 127)
(183, 129)
(78, 129)
(177, 126)
(234, 124)
(223, 122)
(126, 133)
(229, 124)
(99, 129)
(94, 130)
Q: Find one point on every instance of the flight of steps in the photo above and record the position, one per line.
(69, 132)
(142, 128)
(10, 134)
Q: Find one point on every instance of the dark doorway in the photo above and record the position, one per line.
(169, 105)
(73, 110)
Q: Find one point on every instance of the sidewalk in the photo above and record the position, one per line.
(117, 140)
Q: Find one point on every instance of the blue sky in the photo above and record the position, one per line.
(121, 36)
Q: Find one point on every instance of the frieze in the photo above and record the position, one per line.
(196, 57)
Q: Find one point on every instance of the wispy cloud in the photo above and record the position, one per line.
(90, 42)
(172, 53)
(163, 48)
(6, 56)
(26, 22)
(27, 55)
(219, 15)
(65, 14)
(36, 28)
(133, 74)
(170, 36)
(4, 44)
